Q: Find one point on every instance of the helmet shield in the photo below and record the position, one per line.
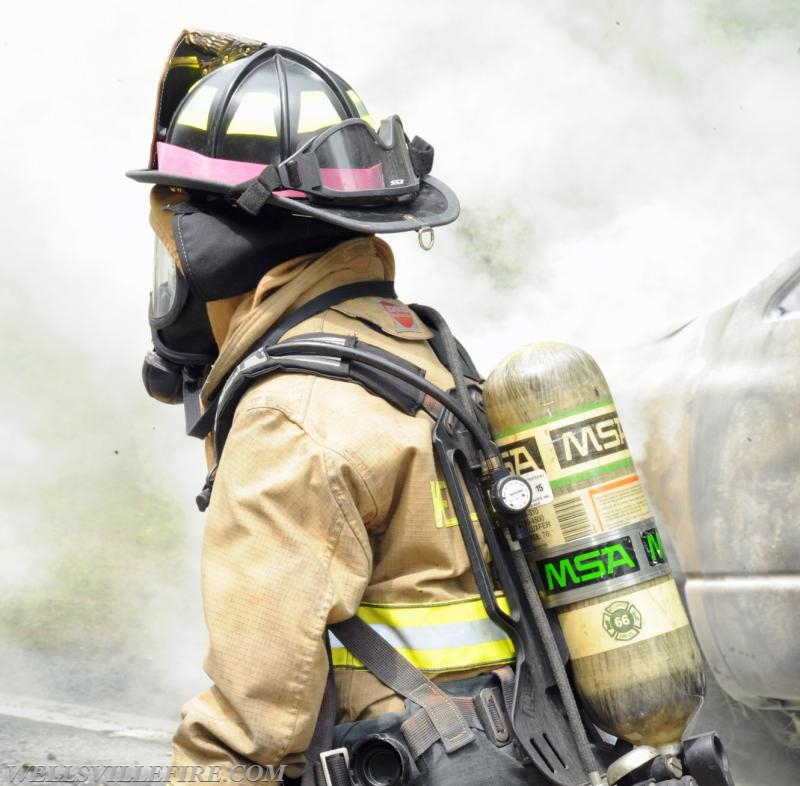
(194, 55)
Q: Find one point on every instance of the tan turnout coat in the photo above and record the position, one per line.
(326, 498)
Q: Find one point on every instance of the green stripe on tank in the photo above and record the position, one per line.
(567, 413)
(591, 473)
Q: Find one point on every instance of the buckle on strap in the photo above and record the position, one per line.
(492, 713)
(484, 711)
(335, 767)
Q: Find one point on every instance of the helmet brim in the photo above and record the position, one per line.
(434, 205)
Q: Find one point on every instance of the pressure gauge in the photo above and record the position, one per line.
(513, 493)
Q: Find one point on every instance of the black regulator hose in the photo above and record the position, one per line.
(452, 355)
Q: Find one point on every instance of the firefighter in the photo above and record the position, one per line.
(271, 181)
(349, 643)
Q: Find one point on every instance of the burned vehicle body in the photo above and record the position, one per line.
(713, 417)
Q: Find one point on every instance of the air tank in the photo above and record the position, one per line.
(598, 559)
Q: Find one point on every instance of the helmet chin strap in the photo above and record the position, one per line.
(259, 190)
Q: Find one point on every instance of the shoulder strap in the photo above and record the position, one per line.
(322, 302)
(260, 362)
(315, 353)
(200, 425)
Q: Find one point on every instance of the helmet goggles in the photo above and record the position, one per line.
(352, 162)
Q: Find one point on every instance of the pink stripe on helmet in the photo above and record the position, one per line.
(352, 179)
(176, 160)
(179, 161)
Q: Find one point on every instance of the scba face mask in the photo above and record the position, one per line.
(184, 346)
(221, 255)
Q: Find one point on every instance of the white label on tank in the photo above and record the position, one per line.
(541, 492)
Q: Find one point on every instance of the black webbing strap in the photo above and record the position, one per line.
(192, 385)
(202, 424)
(322, 302)
(322, 738)
(399, 674)
(258, 191)
(315, 353)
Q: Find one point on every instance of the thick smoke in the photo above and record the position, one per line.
(622, 167)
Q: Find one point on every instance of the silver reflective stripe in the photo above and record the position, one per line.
(456, 634)
(438, 637)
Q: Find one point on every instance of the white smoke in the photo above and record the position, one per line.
(622, 167)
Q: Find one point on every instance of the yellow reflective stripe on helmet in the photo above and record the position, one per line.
(316, 112)
(195, 112)
(255, 115)
(363, 113)
(184, 61)
(449, 636)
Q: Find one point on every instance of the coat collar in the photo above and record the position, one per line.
(289, 286)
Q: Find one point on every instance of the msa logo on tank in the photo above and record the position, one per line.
(599, 562)
(588, 440)
(587, 476)
(570, 446)
(522, 457)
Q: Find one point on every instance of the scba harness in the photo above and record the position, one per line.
(522, 725)
(458, 429)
